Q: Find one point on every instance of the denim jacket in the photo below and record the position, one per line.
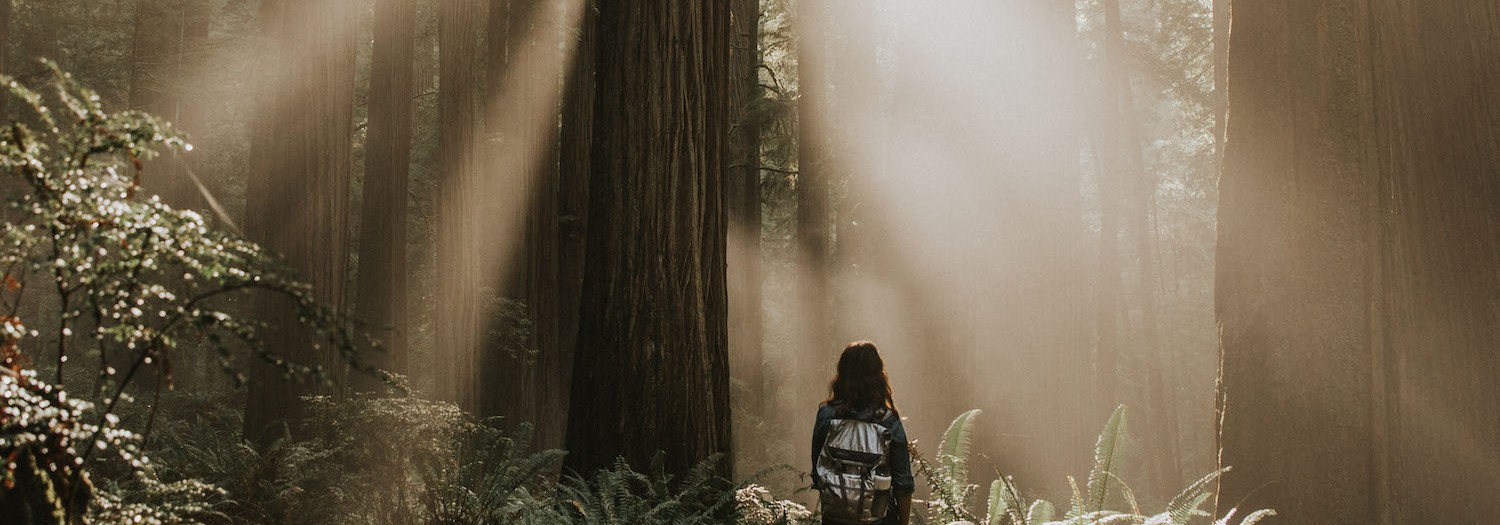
(898, 459)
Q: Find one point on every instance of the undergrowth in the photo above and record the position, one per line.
(1105, 500)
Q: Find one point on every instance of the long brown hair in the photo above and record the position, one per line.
(860, 382)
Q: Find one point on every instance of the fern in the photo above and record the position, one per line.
(1251, 519)
(1006, 503)
(623, 496)
(1108, 455)
(1184, 506)
(1041, 511)
(1075, 508)
(1106, 489)
(947, 500)
(953, 450)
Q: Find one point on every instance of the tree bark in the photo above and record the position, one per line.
(381, 282)
(460, 298)
(1358, 237)
(1436, 65)
(652, 368)
(510, 373)
(572, 212)
(298, 195)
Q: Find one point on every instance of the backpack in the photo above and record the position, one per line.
(854, 481)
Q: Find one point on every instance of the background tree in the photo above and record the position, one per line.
(742, 200)
(298, 201)
(572, 190)
(651, 370)
(458, 315)
(382, 278)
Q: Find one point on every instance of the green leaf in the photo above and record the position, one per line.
(1109, 453)
(953, 451)
(1041, 511)
(1181, 508)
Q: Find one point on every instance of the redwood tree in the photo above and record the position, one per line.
(743, 200)
(381, 284)
(298, 193)
(460, 300)
(651, 370)
(575, 135)
(1358, 241)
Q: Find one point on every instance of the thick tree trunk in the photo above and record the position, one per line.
(298, 195)
(1357, 296)
(509, 374)
(1437, 65)
(1358, 240)
(381, 286)
(167, 59)
(460, 298)
(572, 211)
(1295, 216)
(652, 368)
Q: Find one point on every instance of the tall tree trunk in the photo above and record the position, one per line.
(1295, 211)
(813, 193)
(652, 368)
(167, 59)
(1107, 289)
(556, 369)
(1436, 66)
(509, 373)
(460, 299)
(743, 203)
(1064, 314)
(298, 195)
(381, 285)
(1136, 188)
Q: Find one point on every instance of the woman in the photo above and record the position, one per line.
(860, 392)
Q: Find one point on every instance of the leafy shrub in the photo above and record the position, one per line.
(134, 281)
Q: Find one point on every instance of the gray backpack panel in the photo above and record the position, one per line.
(855, 482)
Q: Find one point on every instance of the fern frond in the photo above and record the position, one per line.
(1181, 508)
(1108, 455)
(1076, 506)
(946, 504)
(1041, 511)
(953, 450)
(1006, 502)
(1256, 516)
(1251, 519)
(1127, 493)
